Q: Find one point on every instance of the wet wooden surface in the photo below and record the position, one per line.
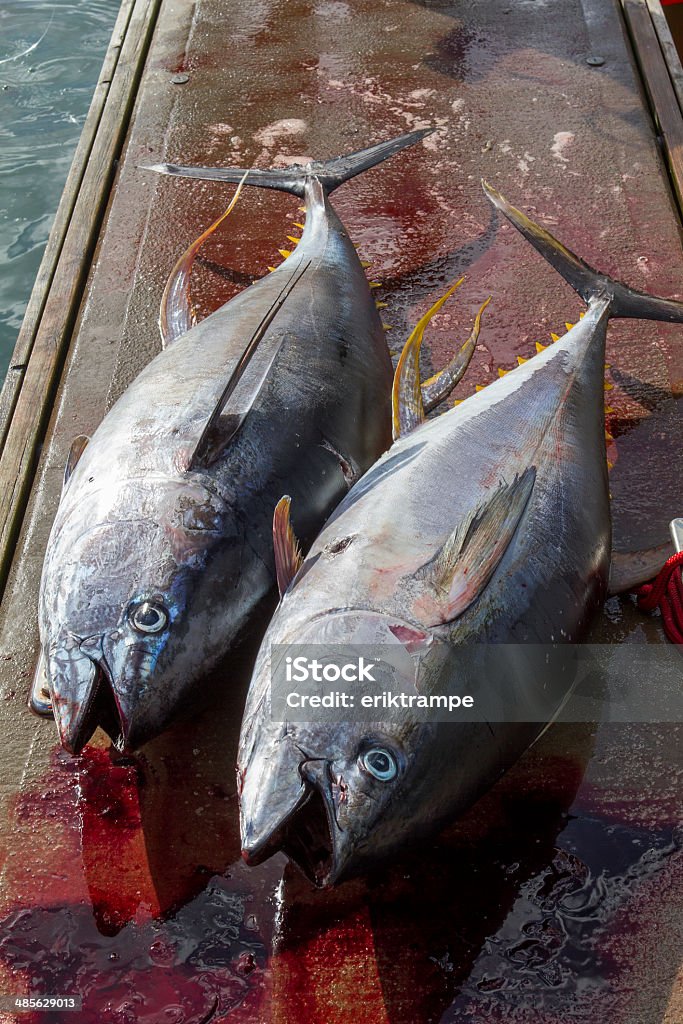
(662, 76)
(112, 869)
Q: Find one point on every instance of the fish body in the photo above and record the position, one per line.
(161, 551)
(487, 525)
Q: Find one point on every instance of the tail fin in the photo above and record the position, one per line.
(331, 174)
(624, 301)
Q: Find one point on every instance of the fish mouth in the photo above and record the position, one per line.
(83, 699)
(306, 836)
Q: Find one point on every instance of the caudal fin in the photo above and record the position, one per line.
(331, 173)
(589, 283)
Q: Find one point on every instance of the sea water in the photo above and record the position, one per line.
(51, 52)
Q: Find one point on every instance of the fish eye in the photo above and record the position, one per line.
(380, 763)
(148, 617)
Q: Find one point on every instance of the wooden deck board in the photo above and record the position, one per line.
(661, 78)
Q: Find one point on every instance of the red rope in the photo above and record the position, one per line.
(666, 592)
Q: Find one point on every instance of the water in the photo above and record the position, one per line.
(44, 99)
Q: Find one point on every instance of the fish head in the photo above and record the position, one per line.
(337, 795)
(126, 624)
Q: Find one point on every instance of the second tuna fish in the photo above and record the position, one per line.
(489, 524)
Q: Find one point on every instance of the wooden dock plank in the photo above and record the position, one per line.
(659, 86)
(666, 41)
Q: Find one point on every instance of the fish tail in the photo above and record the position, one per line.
(331, 173)
(589, 283)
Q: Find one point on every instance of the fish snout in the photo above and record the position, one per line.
(287, 805)
(270, 790)
(82, 694)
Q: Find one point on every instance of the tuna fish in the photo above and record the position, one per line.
(161, 554)
(489, 524)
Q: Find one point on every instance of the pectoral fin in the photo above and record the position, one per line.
(78, 446)
(213, 440)
(288, 556)
(463, 566)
